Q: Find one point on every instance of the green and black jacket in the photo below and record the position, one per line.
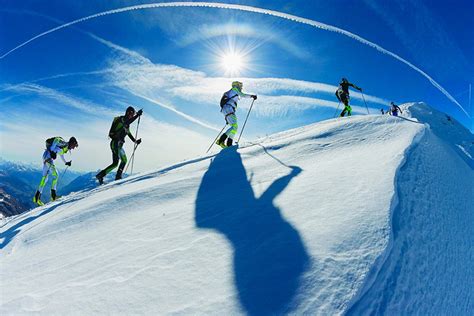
(121, 128)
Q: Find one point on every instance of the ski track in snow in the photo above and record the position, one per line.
(324, 218)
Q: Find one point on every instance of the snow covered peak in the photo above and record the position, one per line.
(297, 222)
(9, 165)
(446, 128)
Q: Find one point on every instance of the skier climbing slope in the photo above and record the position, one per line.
(228, 108)
(299, 230)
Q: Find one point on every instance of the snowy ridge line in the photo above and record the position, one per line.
(413, 121)
(86, 192)
(290, 17)
(48, 208)
(374, 271)
(81, 194)
(5, 220)
(72, 197)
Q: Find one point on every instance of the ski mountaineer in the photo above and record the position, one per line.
(394, 109)
(119, 129)
(54, 146)
(228, 107)
(342, 94)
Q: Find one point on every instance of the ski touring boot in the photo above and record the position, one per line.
(37, 199)
(54, 197)
(221, 141)
(100, 179)
(222, 144)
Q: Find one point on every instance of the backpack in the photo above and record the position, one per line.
(225, 99)
(115, 128)
(50, 141)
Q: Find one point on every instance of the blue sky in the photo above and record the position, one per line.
(168, 61)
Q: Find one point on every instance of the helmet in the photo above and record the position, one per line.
(72, 143)
(129, 110)
(344, 80)
(238, 85)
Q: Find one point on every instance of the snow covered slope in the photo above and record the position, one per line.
(428, 268)
(299, 222)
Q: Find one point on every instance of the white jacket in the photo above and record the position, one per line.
(234, 96)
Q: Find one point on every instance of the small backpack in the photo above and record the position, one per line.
(115, 128)
(50, 141)
(225, 99)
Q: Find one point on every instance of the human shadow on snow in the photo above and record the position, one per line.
(269, 255)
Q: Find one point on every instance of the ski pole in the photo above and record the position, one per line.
(136, 146)
(337, 109)
(365, 103)
(62, 174)
(248, 113)
(132, 157)
(216, 138)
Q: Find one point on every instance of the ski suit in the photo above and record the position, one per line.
(229, 108)
(58, 146)
(342, 94)
(394, 109)
(119, 129)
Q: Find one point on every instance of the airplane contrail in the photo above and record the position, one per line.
(246, 8)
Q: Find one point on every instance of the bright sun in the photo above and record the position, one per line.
(232, 62)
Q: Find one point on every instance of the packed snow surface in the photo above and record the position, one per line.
(352, 214)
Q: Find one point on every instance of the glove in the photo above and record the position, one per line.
(68, 163)
(52, 154)
(140, 112)
(138, 141)
(254, 97)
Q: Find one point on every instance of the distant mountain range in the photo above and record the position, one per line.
(18, 183)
